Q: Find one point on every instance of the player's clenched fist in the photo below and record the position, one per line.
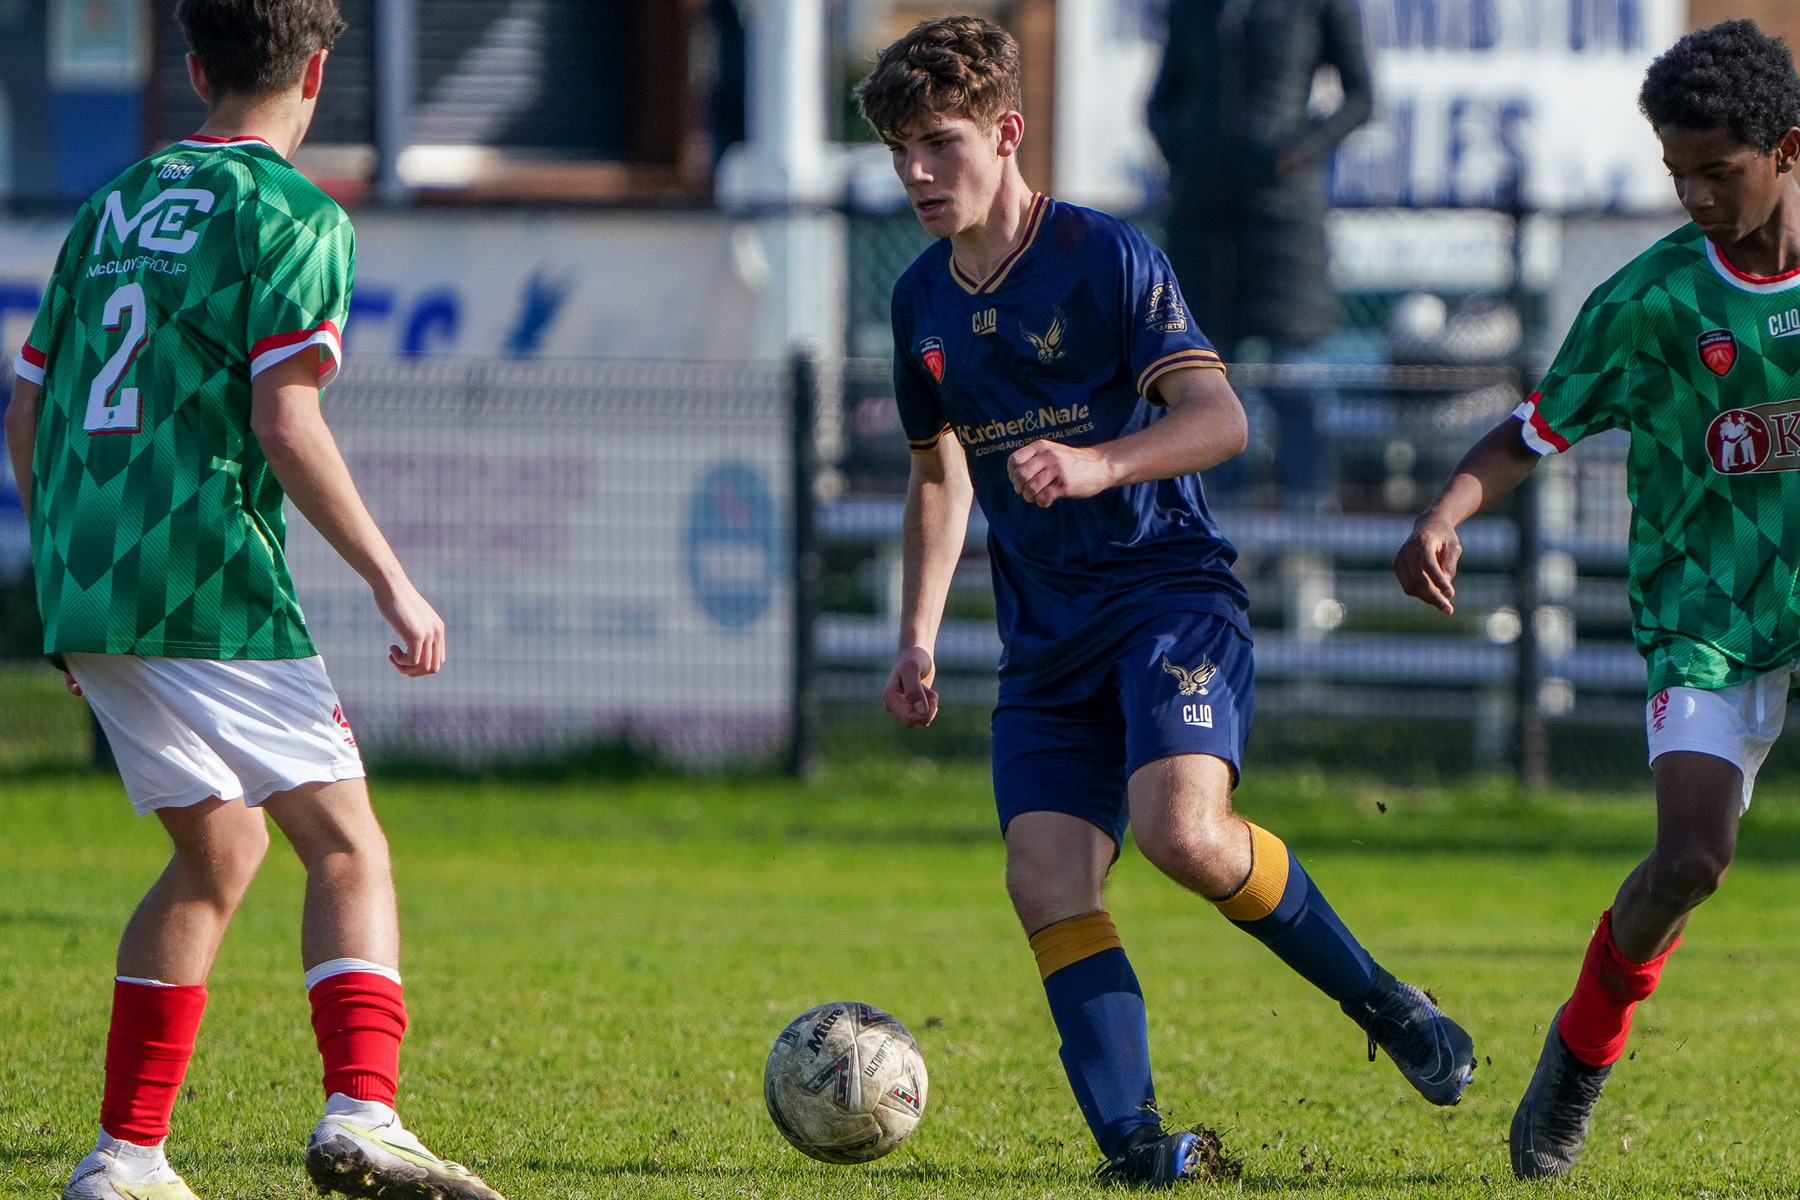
(1045, 472)
(909, 695)
(420, 628)
(1426, 564)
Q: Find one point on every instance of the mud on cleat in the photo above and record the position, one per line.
(361, 1149)
(1551, 1124)
(1434, 1053)
(1152, 1158)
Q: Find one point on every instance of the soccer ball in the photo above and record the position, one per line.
(845, 1083)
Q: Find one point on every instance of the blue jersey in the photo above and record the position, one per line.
(1063, 341)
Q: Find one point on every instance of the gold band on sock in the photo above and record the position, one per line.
(1259, 894)
(1070, 941)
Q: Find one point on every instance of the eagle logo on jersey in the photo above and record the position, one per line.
(1190, 682)
(1718, 350)
(1049, 344)
(931, 353)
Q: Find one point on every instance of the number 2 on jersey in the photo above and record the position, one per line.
(110, 408)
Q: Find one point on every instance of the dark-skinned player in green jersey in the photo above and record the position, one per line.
(1694, 350)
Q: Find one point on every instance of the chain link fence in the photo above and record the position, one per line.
(608, 542)
(1346, 445)
(616, 548)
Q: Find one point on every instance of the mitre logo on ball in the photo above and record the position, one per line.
(845, 1083)
(1718, 350)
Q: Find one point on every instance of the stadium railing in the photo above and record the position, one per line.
(1335, 636)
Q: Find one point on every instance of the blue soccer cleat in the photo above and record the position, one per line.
(1432, 1051)
(1152, 1158)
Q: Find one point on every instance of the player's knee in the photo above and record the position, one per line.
(223, 872)
(1186, 850)
(1688, 876)
(1035, 892)
(360, 849)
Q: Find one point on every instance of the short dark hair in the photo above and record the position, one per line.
(252, 47)
(1730, 76)
(964, 65)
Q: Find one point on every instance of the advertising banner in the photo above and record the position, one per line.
(607, 545)
(1469, 94)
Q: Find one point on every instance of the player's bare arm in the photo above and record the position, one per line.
(938, 495)
(21, 439)
(21, 435)
(1204, 427)
(285, 416)
(1493, 467)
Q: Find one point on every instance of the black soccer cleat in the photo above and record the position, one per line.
(1551, 1125)
(1152, 1158)
(1432, 1051)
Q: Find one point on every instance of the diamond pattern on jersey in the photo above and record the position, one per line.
(1714, 557)
(168, 540)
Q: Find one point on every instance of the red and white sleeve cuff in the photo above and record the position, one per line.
(1536, 431)
(29, 365)
(281, 346)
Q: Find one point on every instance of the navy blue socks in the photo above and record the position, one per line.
(1280, 907)
(1099, 1011)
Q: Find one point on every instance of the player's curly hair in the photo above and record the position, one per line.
(964, 65)
(253, 47)
(1730, 76)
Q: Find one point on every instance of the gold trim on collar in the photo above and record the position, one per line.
(1033, 222)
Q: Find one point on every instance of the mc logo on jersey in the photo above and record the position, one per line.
(931, 353)
(161, 224)
(1718, 350)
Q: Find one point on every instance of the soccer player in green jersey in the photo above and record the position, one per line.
(1694, 350)
(167, 400)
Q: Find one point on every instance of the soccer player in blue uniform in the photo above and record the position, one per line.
(1046, 365)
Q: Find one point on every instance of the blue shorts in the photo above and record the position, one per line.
(1181, 683)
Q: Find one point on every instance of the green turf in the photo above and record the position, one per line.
(595, 973)
(42, 727)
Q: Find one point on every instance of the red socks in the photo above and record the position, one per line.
(147, 1053)
(359, 1017)
(1597, 1018)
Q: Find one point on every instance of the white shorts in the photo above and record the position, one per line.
(185, 730)
(1737, 723)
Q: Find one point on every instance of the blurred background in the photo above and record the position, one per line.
(619, 362)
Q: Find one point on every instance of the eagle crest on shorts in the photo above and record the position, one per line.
(1189, 682)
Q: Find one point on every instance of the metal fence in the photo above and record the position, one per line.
(1340, 650)
(625, 552)
(609, 544)
(654, 552)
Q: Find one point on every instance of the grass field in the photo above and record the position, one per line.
(595, 973)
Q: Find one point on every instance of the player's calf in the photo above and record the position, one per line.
(360, 1148)
(1277, 902)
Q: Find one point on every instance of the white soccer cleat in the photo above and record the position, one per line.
(361, 1149)
(118, 1170)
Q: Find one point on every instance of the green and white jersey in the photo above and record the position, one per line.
(156, 524)
(1700, 364)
